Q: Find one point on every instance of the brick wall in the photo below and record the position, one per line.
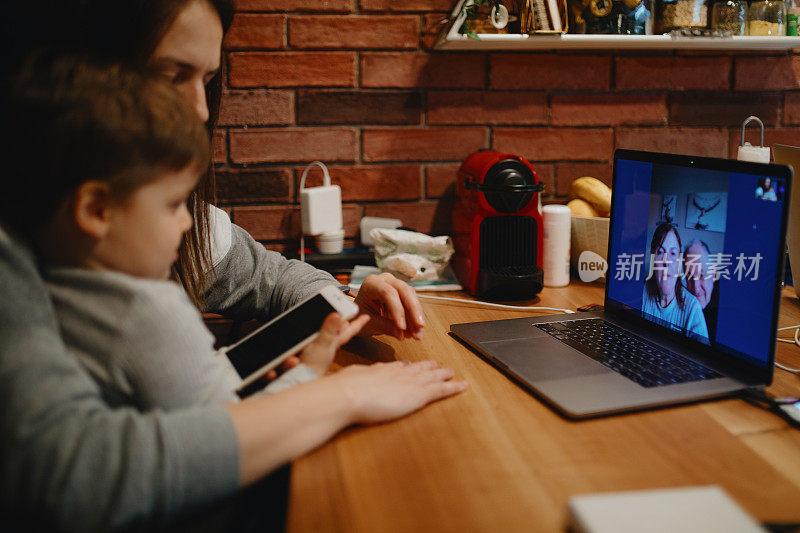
(356, 84)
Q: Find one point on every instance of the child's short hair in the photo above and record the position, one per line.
(68, 120)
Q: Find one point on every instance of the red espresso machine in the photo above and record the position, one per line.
(497, 227)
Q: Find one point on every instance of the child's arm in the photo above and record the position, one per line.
(275, 429)
(168, 353)
(70, 460)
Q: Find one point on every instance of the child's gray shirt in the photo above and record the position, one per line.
(67, 454)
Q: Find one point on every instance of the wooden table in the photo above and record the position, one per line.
(497, 459)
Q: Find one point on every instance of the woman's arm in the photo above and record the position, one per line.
(273, 430)
(250, 281)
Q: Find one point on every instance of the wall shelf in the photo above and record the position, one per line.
(452, 40)
(490, 41)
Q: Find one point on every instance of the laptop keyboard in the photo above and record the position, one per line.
(638, 360)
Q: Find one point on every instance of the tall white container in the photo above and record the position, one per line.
(557, 222)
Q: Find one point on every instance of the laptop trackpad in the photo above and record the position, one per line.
(542, 359)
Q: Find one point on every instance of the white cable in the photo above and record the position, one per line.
(795, 341)
(499, 306)
(326, 181)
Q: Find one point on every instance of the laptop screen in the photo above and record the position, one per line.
(696, 246)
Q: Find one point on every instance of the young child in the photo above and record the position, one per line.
(117, 154)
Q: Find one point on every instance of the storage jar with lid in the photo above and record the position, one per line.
(729, 16)
(767, 17)
(679, 14)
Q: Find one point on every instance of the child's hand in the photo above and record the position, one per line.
(333, 334)
(384, 391)
(290, 362)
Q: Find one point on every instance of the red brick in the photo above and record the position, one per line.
(767, 73)
(407, 69)
(566, 173)
(673, 73)
(556, 144)
(440, 180)
(256, 108)
(423, 6)
(709, 108)
(772, 136)
(421, 144)
(429, 217)
(608, 109)
(373, 182)
(791, 108)
(711, 142)
(219, 148)
(250, 31)
(271, 223)
(359, 107)
(236, 186)
(339, 6)
(354, 31)
(549, 72)
(484, 107)
(293, 144)
(291, 69)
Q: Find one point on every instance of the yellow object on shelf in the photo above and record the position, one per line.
(593, 191)
(581, 208)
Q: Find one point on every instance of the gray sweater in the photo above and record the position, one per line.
(70, 456)
(144, 342)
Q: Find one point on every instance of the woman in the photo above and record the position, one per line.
(66, 455)
(182, 40)
(664, 297)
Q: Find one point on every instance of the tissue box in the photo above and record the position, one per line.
(588, 233)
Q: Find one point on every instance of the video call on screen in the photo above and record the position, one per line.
(694, 250)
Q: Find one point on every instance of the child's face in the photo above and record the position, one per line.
(146, 227)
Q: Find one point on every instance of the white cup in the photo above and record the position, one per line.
(557, 223)
(330, 242)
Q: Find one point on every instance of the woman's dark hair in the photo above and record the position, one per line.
(127, 32)
(651, 285)
(67, 120)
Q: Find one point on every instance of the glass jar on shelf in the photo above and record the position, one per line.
(680, 14)
(792, 15)
(729, 16)
(767, 18)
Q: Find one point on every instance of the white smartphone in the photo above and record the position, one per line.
(288, 333)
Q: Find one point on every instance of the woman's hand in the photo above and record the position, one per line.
(385, 391)
(393, 306)
(334, 333)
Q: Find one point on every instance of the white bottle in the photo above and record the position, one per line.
(557, 223)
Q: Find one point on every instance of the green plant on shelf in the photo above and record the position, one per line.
(471, 9)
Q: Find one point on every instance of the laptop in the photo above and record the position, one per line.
(656, 343)
(790, 156)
